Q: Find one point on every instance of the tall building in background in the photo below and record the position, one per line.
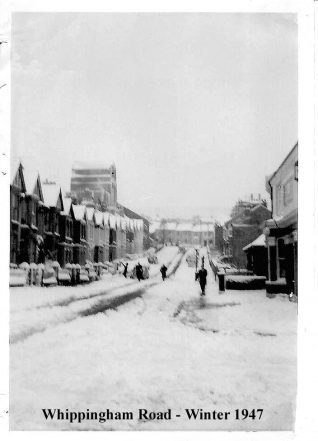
(94, 183)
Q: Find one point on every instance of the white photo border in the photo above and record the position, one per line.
(306, 426)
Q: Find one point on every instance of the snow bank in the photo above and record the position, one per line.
(34, 309)
(168, 349)
(30, 297)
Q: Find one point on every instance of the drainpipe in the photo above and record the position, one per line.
(267, 235)
(271, 187)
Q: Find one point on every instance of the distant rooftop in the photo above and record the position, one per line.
(92, 165)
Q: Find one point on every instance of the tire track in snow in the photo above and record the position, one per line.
(63, 314)
(70, 300)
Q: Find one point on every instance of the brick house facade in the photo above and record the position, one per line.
(17, 195)
(241, 230)
(65, 251)
(79, 234)
(53, 206)
(282, 229)
(32, 220)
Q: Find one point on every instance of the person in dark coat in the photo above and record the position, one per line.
(125, 269)
(139, 272)
(163, 271)
(201, 276)
(41, 258)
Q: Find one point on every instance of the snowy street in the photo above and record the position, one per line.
(168, 348)
(34, 309)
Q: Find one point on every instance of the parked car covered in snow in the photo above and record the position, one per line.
(111, 268)
(18, 277)
(49, 276)
(92, 275)
(83, 276)
(64, 277)
(153, 259)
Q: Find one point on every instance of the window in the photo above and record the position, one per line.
(15, 207)
(57, 222)
(46, 220)
(23, 212)
(35, 214)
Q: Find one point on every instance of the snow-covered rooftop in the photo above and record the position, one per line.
(67, 202)
(123, 222)
(258, 242)
(112, 221)
(106, 218)
(50, 194)
(169, 226)
(259, 206)
(89, 213)
(118, 221)
(153, 227)
(184, 227)
(98, 217)
(79, 211)
(129, 223)
(30, 179)
(139, 224)
(207, 220)
(207, 227)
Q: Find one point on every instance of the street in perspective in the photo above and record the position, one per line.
(154, 222)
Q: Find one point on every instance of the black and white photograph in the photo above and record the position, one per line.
(153, 270)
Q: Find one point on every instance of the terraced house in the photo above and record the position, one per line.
(17, 201)
(53, 206)
(45, 225)
(281, 230)
(66, 218)
(242, 228)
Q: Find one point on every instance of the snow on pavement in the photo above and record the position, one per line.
(31, 297)
(168, 349)
(34, 309)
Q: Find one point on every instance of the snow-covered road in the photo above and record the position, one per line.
(169, 349)
(34, 309)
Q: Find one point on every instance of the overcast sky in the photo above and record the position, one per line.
(195, 109)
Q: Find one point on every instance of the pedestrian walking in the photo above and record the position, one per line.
(163, 271)
(139, 272)
(201, 277)
(125, 269)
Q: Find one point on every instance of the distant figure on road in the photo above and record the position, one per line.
(125, 269)
(201, 276)
(163, 271)
(139, 272)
